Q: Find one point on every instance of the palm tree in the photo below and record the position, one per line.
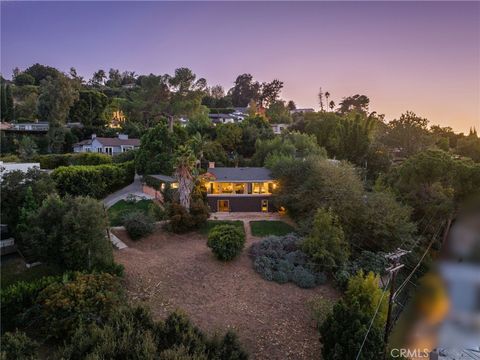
(327, 95)
(331, 105)
(185, 174)
(198, 142)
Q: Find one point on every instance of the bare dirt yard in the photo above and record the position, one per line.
(168, 272)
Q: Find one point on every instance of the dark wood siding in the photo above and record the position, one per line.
(242, 203)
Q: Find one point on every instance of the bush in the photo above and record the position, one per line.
(181, 220)
(18, 346)
(18, 298)
(303, 277)
(138, 224)
(53, 161)
(277, 258)
(124, 157)
(96, 181)
(88, 298)
(226, 241)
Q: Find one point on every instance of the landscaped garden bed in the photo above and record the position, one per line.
(117, 212)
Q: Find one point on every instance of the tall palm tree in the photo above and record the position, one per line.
(331, 105)
(327, 95)
(185, 174)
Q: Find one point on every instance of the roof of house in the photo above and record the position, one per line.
(240, 173)
(164, 178)
(110, 142)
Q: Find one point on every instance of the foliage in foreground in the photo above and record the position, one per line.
(279, 259)
(345, 328)
(17, 345)
(226, 241)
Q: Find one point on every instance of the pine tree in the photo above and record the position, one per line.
(9, 114)
(3, 105)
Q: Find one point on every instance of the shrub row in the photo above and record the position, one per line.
(95, 181)
(53, 161)
(279, 259)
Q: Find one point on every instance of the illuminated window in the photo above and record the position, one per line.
(258, 188)
(239, 188)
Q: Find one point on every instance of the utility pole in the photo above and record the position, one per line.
(395, 266)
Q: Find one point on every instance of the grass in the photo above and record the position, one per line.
(204, 230)
(14, 270)
(119, 209)
(270, 227)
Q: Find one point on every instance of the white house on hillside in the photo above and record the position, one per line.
(110, 146)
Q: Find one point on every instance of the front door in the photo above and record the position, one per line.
(265, 205)
(223, 205)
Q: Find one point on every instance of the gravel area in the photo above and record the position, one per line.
(167, 272)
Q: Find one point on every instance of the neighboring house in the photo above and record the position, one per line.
(302, 111)
(161, 182)
(236, 116)
(24, 167)
(241, 189)
(38, 127)
(110, 146)
(278, 128)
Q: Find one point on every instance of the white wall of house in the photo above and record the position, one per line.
(7, 167)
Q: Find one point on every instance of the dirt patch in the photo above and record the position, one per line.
(168, 272)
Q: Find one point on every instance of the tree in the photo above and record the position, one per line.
(469, 146)
(253, 128)
(157, 148)
(354, 134)
(269, 93)
(3, 105)
(409, 134)
(327, 96)
(359, 103)
(229, 136)
(89, 110)
(331, 105)
(326, 243)
(184, 173)
(98, 77)
(27, 148)
(278, 113)
(23, 79)
(320, 98)
(71, 233)
(291, 105)
(244, 90)
(41, 72)
(114, 78)
(26, 103)
(57, 95)
(9, 108)
(344, 330)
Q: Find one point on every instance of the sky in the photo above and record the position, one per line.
(418, 56)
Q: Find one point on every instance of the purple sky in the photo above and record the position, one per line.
(420, 56)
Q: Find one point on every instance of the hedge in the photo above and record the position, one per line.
(53, 161)
(95, 181)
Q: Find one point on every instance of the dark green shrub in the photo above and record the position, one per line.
(181, 220)
(226, 241)
(53, 161)
(19, 346)
(230, 348)
(124, 157)
(138, 224)
(18, 298)
(96, 181)
(88, 298)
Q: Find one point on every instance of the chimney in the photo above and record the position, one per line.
(94, 136)
(211, 164)
(123, 136)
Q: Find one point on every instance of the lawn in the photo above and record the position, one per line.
(13, 270)
(270, 227)
(212, 223)
(119, 209)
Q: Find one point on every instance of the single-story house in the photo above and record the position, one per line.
(239, 189)
(110, 146)
(278, 128)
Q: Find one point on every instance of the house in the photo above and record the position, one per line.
(239, 189)
(110, 146)
(278, 128)
(302, 111)
(24, 167)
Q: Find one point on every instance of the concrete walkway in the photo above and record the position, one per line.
(134, 189)
(119, 244)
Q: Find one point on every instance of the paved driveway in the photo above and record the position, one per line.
(134, 188)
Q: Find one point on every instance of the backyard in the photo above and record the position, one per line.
(168, 271)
